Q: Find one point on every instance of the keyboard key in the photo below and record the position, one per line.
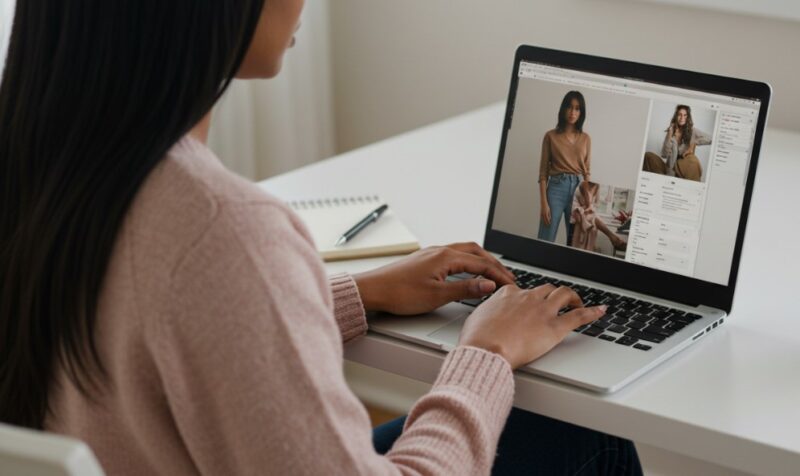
(619, 320)
(471, 302)
(593, 331)
(601, 324)
(661, 314)
(636, 325)
(640, 317)
(659, 331)
(675, 326)
(579, 329)
(694, 317)
(618, 329)
(682, 319)
(606, 337)
(645, 336)
(626, 340)
(641, 347)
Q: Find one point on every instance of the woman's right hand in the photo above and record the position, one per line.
(523, 324)
(546, 213)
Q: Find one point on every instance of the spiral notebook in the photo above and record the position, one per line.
(328, 218)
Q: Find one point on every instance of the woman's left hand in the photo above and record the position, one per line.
(417, 283)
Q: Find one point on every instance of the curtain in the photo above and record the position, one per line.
(262, 128)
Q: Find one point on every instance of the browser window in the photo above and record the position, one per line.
(638, 171)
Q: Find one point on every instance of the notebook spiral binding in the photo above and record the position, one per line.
(332, 202)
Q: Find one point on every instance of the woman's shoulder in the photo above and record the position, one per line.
(191, 195)
(196, 167)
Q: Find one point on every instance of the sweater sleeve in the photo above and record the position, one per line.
(544, 162)
(348, 309)
(250, 359)
(587, 161)
(700, 138)
(668, 146)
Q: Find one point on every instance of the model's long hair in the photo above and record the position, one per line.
(566, 104)
(687, 129)
(94, 94)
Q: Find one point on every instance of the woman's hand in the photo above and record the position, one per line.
(417, 283)
(546, 213)
(522, 325)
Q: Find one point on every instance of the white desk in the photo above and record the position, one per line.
(732, 400)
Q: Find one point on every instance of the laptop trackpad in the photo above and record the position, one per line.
(450, 332)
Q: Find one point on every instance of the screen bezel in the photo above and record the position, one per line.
(603, 269)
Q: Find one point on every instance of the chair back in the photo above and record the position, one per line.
(26, 452)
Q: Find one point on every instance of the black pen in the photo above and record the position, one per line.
(371, 218)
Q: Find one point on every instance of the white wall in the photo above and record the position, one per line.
(399, 65)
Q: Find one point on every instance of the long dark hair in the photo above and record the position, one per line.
(566, 104)
(93, 96)
(687, 129)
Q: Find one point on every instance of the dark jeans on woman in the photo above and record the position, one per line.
(532, 444)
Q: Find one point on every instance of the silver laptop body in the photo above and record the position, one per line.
(682, 252)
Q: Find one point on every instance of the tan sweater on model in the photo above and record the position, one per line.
(560, 156)
(222, 338)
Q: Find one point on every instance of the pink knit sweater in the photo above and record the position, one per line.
(222, 338)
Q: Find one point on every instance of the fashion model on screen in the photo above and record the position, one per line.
(678, 157)
(586, 222)
(566, 158)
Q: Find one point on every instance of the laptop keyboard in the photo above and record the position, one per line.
(628, 321)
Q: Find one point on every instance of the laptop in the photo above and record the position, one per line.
(648, 173)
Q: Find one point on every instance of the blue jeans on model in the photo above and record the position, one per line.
(560, 191)
(532, 444)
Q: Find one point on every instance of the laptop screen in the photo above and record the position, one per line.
(631, 170)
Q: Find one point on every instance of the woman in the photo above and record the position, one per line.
(566, 157)
(586, 221)
(678, 157)
(177, 318)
